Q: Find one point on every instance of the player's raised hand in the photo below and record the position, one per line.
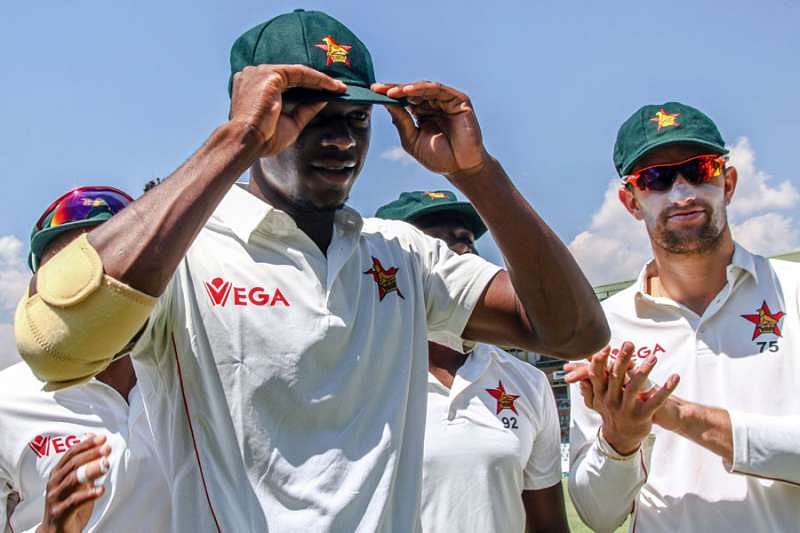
(621, 395)
(438, 127)
(70, 489)
(257, 101)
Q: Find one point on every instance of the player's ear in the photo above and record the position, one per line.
(731, 179)
(628, 199)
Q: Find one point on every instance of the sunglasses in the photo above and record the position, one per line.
(83, 203)
(696, 171)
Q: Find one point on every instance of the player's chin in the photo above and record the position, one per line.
(328, 199)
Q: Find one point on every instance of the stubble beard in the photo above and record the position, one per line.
(697, 241)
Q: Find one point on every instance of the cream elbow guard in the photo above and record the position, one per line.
(70, 330)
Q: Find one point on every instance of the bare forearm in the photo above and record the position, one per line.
(558, 301)
(545, 511)
(710, 427)
(144, 243)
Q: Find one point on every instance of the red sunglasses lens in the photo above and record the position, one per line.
(696, 171)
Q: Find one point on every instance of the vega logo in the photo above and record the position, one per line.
(44, 445)
(220, 292)
(643, 352)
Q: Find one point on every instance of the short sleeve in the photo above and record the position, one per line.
(453, 284)
(544, 464)
(156, 333)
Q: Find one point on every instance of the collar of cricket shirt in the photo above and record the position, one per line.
(244, 213)
(742, 261)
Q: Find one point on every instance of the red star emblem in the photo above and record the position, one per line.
(385, 278)
(504, 400)
(335, 52)
(766, 321)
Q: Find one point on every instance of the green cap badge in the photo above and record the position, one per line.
(657, 125)
(414, 204)
(316, 40)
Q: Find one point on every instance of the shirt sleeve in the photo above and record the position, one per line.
(152, 344)
(544, 464)
(603, 485)
(453, 284)
(766, 446)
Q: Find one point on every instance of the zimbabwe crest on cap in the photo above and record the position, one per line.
(664, 119)
(335, 52)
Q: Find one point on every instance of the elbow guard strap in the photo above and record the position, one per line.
(70, 330)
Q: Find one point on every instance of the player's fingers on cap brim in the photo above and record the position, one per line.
(381, 87)
(303, 76)
(432, 90)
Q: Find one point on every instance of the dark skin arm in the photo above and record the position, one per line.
(543, 302)
(143, 245)
(545, 511)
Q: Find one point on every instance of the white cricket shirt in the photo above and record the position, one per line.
(742, 355)
(494, 434)
(287, 389)
(37, 428)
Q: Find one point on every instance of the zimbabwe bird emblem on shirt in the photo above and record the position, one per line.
(504, 400)
(385, 278)
(766, 321)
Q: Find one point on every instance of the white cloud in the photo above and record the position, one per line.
(14, 273)
(754, 193)
(397, 154)
(14, 276)
(615, 246)
(8, 348)
(768, 234)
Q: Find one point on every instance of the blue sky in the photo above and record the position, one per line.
(121, 92)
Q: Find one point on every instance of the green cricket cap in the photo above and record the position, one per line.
(658, 125)
(414, 204)
(316, 40)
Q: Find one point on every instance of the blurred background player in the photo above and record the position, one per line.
(725, 456)
(54, 444)
(492, 458)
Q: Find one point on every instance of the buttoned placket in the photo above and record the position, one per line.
(458, 396)
(346, 234)
(252, 219)
(305, 252)
(735, 275)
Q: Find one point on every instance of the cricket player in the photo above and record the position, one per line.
(285, 359)
(79, 458)
(707, 319)
(492, 459)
